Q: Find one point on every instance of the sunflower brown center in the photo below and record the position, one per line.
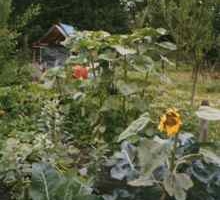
(170, 120)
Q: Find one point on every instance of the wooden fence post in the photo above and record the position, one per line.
(204, 125)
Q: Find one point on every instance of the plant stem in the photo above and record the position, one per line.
(124, 97)
(172, 164)
(164, 196)
(59, 87)
(125, 69)
(93, 66)
(173, 154)
(124, 110)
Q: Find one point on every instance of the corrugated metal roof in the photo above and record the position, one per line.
(69, 30)
(64, 31)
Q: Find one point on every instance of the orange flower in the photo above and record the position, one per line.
(80, 72)
(170, 122)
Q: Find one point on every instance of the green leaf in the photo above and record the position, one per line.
(135, 127)
(161, 31)
(188, 159)
(168, 184)
(167, 45)
(143, 181)
(145, 32)
(127, 89)
(123, 50)
(151, 155)
(57, 72)
(184, 181)
(79, 59)
(48, 184)
(108, 56)
(111, 103)
(45, 182)
(143, 64)
(210, 157)
(177, 185)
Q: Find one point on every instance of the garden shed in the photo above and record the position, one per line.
(48, 50)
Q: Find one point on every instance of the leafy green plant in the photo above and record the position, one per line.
(138, 170)
(51, 120)
(153, 156)
(53, 78)
(17, 155)
(47, 184)
(112, 59)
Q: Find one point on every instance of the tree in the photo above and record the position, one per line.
(83, 15)
(5, 9)
(6, 44)
(190, 25)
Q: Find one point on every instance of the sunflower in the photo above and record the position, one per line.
(170, 122)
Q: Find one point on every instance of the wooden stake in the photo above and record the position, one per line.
(204, 125)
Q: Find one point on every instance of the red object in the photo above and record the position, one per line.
(80, 72)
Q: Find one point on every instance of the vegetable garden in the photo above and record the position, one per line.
(113, 123)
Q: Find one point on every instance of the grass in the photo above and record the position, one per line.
(173, 89)
(177, 92)
(207, 88)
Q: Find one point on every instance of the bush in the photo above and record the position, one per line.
(7, 45)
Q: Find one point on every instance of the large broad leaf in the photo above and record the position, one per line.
(143, 181)
(108, 56)
(143, 64)
(208, 113)
(127, 89)
(122, 162)
(123, 50)
(177, 185)
(162, 31)
(57, 72)
(79, 59)
(48, 184)
(167, 45)
(135, 127)
(152, 155)
(210, 157)
(45, 182)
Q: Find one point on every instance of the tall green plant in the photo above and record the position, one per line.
(116, 59)
(5, 10)
(190, 24)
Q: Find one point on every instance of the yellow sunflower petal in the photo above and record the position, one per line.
(161, 126)
(170, 122)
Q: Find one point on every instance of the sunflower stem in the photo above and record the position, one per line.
(172, 164)
(164, 195)
(173, 153)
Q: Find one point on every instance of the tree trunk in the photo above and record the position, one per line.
(163, 66)
(195, 80)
